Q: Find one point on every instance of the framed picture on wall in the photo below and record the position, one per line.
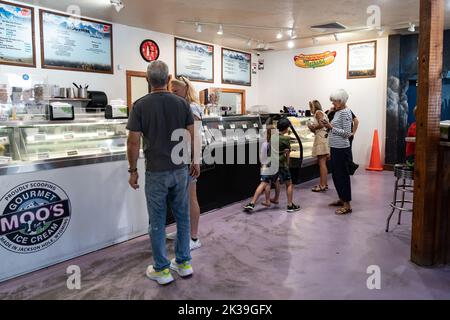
(194, 60)
(17, 46)
(236, 67)
(362, 60)
(77, 44)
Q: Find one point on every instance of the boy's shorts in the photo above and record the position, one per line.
(269, 179)
(285, 175)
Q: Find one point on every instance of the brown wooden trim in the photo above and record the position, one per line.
(204, 44)
(228, 90)
(43, 66)
(237, 84)
(348, 60)
(33, 37)
(129, 75)
(425, 216)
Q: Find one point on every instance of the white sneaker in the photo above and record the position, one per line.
(171, 236)
(195, 244)
(184, 269)
(162, 277)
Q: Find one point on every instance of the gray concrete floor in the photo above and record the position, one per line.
(271, 254)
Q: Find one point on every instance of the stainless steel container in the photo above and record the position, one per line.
(70, 93)
(82, 93)
(62, 93)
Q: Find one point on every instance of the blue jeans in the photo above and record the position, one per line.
(161, 187)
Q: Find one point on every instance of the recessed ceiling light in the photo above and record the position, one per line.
(290, 44)
(279, 35)
(220, 31)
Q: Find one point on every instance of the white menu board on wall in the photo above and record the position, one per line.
(362, 60)
(76, 44)
(194, 60)
(236, 67)
(17, 35)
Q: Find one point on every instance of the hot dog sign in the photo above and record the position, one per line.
(315, 60)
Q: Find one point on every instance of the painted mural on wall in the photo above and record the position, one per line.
(315, 60)
(402, 91)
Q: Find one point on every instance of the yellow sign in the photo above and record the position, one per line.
(315, 60)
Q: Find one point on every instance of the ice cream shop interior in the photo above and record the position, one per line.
(350, 99)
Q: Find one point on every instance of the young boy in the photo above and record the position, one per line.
(267, 178)
(282, 153)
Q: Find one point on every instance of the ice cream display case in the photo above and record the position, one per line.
(27, 146)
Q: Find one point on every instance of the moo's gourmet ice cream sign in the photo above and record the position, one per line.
(315, 60)
(33, 216)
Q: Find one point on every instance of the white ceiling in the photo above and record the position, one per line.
(164, 16)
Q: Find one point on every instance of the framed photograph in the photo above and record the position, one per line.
(77, 44)
(17, 36)
(362, 60)
(236, 67)
(194, 60)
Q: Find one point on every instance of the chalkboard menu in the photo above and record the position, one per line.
(17, 35)
(236, 67)
(77, 44)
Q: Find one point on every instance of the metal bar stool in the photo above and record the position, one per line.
(406, 185)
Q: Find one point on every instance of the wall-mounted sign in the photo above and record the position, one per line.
(17, 35)
(254, 68)
(149, 50)
(194, 60)
(33, 216)
(236, 67)
(362, 60)
(260, 64)
(77, 44)
(315, 60)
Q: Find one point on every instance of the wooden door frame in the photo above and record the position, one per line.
(131, 74)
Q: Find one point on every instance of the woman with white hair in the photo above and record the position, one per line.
(340, 130)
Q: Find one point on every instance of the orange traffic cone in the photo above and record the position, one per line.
(375, 161)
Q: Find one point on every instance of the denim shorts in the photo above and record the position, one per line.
(269, 179)
(285, 175)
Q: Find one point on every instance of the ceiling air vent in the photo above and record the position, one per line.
(263, 49)
(328, 27)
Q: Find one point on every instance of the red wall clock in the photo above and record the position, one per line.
(149, 50)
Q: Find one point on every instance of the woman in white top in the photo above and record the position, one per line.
(321, 148)
(183, 87)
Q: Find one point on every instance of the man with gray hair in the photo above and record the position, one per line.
(156, 116)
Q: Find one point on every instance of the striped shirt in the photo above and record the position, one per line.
(342, 129)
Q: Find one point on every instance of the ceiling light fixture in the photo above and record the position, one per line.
(117, 4)
(290, 44)
(381, 32)
(336, 37)
(220, 31)
(199, 27)
(412, 27)
(249, 43)
(315, 40)
(280, 35)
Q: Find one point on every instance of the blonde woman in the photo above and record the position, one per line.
(182, 87)
(321, 148)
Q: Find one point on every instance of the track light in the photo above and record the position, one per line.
(412, 27)
(315, 40)
(280, 35)
(220, 31)
(118, 4)
(260, 45)
(381, 32)
(249, 43)
(199, 27)
(290, 44)
(336, 37)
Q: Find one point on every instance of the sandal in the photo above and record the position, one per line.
(265, 204)
(319, 188)
(338, 203)
(274, 202)
(343, 210)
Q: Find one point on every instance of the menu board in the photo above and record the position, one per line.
(194, 60)
(236, 67)
(17, 35)
(77, 44)
(362, 60)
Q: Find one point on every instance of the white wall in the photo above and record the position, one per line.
(126, 42)
(282, 83)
